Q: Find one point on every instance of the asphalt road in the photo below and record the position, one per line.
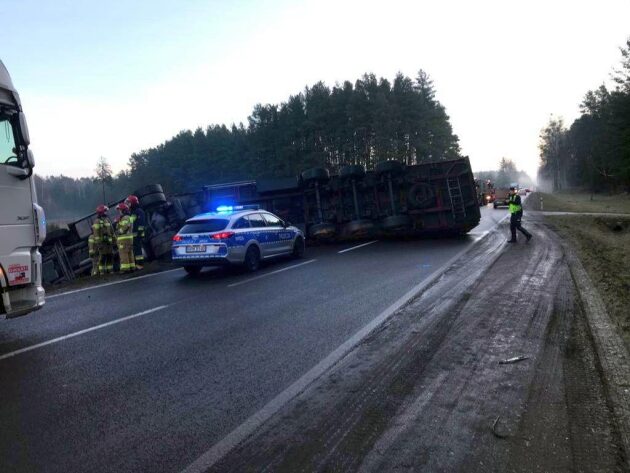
(147, 375)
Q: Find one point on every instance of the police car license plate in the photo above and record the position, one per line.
(195, 248)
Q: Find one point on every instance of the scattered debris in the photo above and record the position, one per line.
(516, 359)
(494, 429)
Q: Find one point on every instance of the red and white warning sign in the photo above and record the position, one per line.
(19, 274)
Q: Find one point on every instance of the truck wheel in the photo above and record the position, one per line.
(322, 231)
(396, 222)
(315, 174)
(298, 248)
(193, 270)
(150, 189)
(421, 195)
(358, 228)
(384, 167)
(152, 200)
(252, 259)
(353, 171)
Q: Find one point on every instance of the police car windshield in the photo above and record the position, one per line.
(205, 226)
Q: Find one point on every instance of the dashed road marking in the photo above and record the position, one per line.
(80, 332)
(357, 247)
(271, 273)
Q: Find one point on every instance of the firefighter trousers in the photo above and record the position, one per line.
(125, 253)
(137, 250)
(105, 261)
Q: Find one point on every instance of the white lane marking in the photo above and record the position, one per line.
(81, 332)
(358, 246)
(271, 273)
(112, 283)
(231, 440)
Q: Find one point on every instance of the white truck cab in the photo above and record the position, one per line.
(22, 220)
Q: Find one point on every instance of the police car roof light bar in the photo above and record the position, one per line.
(231, 208)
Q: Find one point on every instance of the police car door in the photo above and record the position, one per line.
(259, 230)
(281, 235)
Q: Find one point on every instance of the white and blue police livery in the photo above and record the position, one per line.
(242, 235)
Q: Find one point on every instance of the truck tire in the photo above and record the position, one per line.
(393, 167)
(358, 228)
(352, 171)
(152, 200)
(396, 223)
(315, 174)
(161, 243)
(421, 195)
(322, 231)
(150, 189)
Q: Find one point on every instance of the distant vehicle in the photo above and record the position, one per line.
(22, 221)
(522, 192)
(241, 235)
(485, 191)
(501, 197)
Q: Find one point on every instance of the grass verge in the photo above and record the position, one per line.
(603, 246)
(576, 202)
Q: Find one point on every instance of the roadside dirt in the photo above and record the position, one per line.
(579, 202)
(428, 391)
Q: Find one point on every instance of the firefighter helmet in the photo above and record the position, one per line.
(101, 210)
(132, 201)
(123, 208)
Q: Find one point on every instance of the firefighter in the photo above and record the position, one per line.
(516, 214)
(103, 237)
(138, 218)
(124, 238)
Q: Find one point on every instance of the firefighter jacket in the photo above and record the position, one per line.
(102, 232)
(139, 221)
(124, 229)
(514, 203)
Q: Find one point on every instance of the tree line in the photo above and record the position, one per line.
(594, 152)
(363, 122)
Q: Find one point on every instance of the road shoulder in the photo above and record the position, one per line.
(427, 391)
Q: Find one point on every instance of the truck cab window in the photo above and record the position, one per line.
(8, 152)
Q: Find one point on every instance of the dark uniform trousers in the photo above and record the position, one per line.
(515, 224)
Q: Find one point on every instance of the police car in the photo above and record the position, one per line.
(242, 235)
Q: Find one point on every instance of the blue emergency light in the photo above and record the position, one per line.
(232, 208)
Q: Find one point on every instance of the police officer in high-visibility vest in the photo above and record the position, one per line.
(516, 214)
(103, 238)
(139, 221)
(124, 238)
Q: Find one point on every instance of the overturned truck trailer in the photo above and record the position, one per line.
(436, 198)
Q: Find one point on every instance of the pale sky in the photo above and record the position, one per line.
(112, 78)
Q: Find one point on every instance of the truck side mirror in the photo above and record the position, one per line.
(30, 159)
(26, 138)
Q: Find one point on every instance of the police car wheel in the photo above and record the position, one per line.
(192, 270)
(252, 259)
(298, 248)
